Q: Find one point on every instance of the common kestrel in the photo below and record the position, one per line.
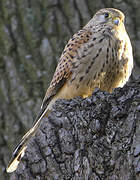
(99, 55)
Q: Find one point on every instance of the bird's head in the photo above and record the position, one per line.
(109, 16)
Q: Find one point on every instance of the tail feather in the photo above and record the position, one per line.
(21, 148)
(16, 159)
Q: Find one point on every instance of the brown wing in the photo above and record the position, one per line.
(66, 63)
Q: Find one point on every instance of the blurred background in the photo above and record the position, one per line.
(32, 37)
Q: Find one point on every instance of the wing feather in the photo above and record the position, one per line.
(66, 64)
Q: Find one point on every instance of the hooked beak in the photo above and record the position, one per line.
(116, 21)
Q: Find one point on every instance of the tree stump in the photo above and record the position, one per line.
(88, 139)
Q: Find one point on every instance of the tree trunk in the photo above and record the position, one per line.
(32, 37)
(88, 139)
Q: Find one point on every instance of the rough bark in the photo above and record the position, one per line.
(88, 139)
(32, 36)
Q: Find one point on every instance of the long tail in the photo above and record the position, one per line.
(21, 147)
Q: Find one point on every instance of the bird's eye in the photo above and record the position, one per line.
(107, 15)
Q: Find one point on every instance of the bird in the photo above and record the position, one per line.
(99, 55)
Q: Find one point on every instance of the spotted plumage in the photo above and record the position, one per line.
(99, 55)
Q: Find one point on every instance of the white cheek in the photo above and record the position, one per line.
(102, 18)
